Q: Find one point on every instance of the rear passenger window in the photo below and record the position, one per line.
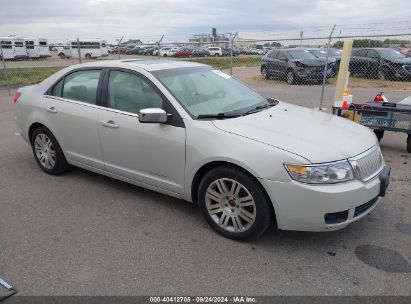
(82, 86)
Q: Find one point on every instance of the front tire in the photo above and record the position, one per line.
(234, 203)
(290, 78)
(409, 143)
(381, 75)
(47, 152)
(88, 56)
(264, 73)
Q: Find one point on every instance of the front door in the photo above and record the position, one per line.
(149, 153)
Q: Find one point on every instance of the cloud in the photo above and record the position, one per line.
(178, 19)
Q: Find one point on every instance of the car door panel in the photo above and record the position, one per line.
(149, 153)
(76, 123)
(71, 109)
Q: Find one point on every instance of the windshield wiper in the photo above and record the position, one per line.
(271, 103)
(219, 115)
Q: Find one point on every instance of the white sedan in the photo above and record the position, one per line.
(192, 132)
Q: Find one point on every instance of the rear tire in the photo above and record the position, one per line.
(234, 203)
(62, 56)
(47, 152)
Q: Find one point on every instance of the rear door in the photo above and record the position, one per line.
(373, 62)
(281, 63)
(359, 61)
(149, 153)
(269, 62)
(71, 107)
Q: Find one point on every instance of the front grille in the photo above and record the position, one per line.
(317, 69)
(368, 164)
(365, 207)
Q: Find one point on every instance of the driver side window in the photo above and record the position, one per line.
(131, 93)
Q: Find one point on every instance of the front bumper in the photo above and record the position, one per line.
(307, 75)
(307, 207)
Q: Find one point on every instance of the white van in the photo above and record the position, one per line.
(104, 49)
(215, 51)
(64, 51)
(44, 48)
(89, 48)
(13, 48)
(32, 47)
(19, 48)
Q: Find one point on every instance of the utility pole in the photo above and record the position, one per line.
(78, 50)
(158, 46)
(326, 67)
(301, 38)
(118, 46)
(232, 37)
(5, 70)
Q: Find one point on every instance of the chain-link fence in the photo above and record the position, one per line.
(379, 61)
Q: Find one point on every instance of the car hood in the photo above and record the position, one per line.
(401, 60)
(317, 136)
(311, 62)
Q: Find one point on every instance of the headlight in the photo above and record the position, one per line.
(329, 173)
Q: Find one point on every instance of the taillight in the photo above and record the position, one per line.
(16, 96)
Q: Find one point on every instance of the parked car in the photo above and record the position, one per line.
(168, 51)
(295, 65)
(200, 52)
(187, 130)
(382, 63)
(149, 50)
(183, 53)
(64, 52)
(215, 51)
(406, 52)
(136, 50)
(334, 56)
(116, 50)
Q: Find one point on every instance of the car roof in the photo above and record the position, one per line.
(148, 65)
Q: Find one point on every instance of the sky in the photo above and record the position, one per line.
(179, 19)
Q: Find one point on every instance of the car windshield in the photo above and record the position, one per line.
(323, 53)
(391, 54)
(301, 54)
(205, 91)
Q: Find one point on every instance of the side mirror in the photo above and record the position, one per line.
(152, 115)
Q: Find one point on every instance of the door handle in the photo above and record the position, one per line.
(109, 124)
(51, 110)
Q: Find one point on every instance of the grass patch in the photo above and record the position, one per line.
(25, 76)
(224, 62)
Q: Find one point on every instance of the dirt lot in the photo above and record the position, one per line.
(85, 234)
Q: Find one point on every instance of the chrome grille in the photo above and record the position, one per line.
(368, 164)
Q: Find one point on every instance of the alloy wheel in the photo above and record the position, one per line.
(45, 152)
(230, 205)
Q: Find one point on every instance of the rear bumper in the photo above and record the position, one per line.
(306, 207)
